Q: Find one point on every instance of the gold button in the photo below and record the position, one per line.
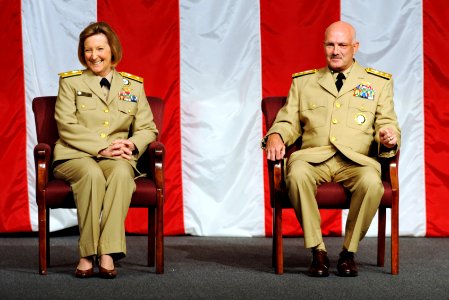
(103, 135)
(337, 105)
(333, 139)
(362, 107)
(106, 110)
(83, 106)
(106, 123)
(334, 121)
(313, 105)
(129, 111)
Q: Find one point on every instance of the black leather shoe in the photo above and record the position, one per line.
(320, 264)
(346, 265)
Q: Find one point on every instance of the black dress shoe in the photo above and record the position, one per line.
(320, 264)
(346, 265)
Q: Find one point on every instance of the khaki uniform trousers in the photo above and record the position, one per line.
(363, 182)
(102, 190)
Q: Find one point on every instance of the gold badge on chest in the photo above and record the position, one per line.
(360, 118)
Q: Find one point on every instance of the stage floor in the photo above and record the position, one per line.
(224, 268)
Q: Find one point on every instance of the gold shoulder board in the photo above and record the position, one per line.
(70, 73)
(131, 76)
(304, 73)
(387, 76)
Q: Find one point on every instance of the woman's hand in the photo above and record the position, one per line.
(119, 148)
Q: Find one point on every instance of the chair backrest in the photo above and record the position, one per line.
(44, 116)
(157, 107)
(270, 108)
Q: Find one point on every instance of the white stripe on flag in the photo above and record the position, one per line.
(221, 122)
(390, 35)
(50, 43)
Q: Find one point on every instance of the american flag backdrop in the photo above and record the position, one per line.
(212, 61)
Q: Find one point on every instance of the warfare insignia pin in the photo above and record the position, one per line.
(364, 90)
(360, 118)
(125, 81)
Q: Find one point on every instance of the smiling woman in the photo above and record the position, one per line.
(99, 42)
(104, 124)
(98, 54)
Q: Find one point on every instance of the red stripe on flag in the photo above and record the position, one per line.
(14, 205)
(292, 41)
(436, 117)
(149, 33)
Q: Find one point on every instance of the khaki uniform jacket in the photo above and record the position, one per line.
(88, 121)
(329, 121)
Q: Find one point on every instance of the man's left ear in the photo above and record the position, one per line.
(356, 46)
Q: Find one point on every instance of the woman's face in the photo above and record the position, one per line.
(98, 54)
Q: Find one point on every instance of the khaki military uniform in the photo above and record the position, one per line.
(89, 119)
(337, 129)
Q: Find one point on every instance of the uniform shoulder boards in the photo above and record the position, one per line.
(387, 76)
(70, 73)
(299, 74)
(131, 76)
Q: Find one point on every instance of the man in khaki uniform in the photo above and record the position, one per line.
(338, 111)
(104, 124)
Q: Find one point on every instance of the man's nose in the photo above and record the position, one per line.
(336, 50)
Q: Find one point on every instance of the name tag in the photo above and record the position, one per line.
(79, 93)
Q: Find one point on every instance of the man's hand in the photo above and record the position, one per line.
(275, 147)
(119, 148)
(387, 138)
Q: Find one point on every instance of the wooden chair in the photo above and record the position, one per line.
(55, 193)
(331, 196)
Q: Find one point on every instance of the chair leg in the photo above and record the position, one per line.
(151, 236)
(278, 246)
(273, 242)
(43, 239)
(381, 237)
(47, 240)
(160, 233)
(395, 237)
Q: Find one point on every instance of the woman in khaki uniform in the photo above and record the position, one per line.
(104, 123)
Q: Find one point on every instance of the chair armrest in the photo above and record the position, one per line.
(156, 153)
(390, 171)
(275, 174)
(394, 173)
(42, 161)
